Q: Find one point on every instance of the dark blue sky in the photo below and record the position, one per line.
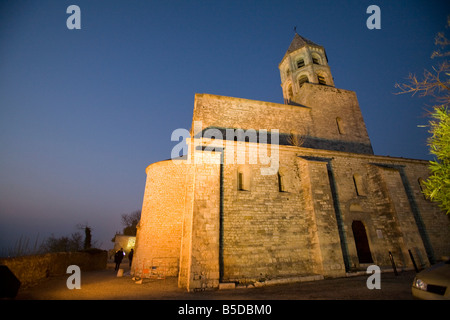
(84, 112)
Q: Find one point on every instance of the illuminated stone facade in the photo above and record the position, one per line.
(125, 242)
(331, 207)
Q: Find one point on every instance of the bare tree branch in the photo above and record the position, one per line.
(435, 84)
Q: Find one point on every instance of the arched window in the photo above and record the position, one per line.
(290, 92)
(340, 125)
(303, 79)
(300, 63)
(357, 180)
(321, 79)
(315, 59)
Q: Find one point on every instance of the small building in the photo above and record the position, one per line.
(125, 242)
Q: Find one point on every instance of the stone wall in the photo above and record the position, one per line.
(197, 215)
(158, 238)
(314, 117)
(200, 256)
(228, 112)
(268, 233)
(391, 206)
(31, 269)
(329, 106)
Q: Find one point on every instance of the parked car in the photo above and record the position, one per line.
(433, 283)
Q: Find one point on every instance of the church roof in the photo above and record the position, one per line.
(297, 43)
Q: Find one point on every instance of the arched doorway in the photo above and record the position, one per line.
(361, 242)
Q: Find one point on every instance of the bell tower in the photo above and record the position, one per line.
(304, 62)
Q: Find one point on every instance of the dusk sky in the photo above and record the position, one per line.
(84, 112)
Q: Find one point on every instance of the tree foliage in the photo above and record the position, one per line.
(437, 187)
(436, 84)
(130, 222)
(63, 244)
(87, 238)
(87, 235)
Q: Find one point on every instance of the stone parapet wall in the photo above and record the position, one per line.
(32, 269)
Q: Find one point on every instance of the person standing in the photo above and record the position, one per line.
(130, 256)
(118, 258)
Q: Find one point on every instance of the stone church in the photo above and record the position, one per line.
(329, 208)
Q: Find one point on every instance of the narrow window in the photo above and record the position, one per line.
(340, 125)
(315, 60)
(300, 63)
(241, 181)
(321, 80)
(243, 178)
(303, 79)
(357, 180)
(281, 187)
